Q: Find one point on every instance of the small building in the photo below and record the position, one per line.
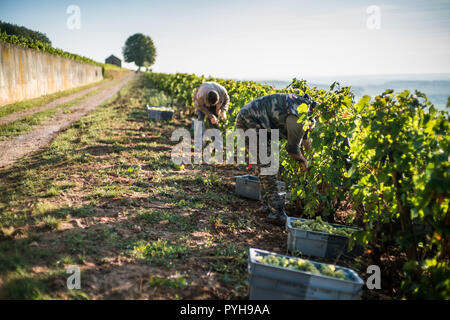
(112, 59)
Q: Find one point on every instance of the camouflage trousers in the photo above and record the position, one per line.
(268, 183)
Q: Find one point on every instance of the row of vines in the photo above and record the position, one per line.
(44, 47)
(388, 157)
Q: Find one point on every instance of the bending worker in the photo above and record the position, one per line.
(277, 111)
(211, 100)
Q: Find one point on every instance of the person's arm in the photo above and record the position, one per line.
(199, 105)
(225, 105)
(202, 108)
(295, 136)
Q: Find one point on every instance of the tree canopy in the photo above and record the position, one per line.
(13, 29)
(139, 49)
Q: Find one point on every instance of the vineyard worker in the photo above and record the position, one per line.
(277, 111)
(211, 100)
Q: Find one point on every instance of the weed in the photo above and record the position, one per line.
(172, 283)
(175, 221)
(51, 222)
(160, 252)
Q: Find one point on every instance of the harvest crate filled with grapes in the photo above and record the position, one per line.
(314, 237)
(159, 112)
(277, 277)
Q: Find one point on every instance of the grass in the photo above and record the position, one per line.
(107, 191)
(23, 285)
(175, 222)
(235, 268)
(160, 252)
(113, 71)
(178, 282)
(51, 223)
(25, 124)
(43, 100)
(82, 243)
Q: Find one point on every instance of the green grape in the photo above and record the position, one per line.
(340, 274)
(160, 108)
(309, 267)
(321, 226)
(302, 265)
(330, 270)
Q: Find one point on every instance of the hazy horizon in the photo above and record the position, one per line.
(368, 77)
(437, 91)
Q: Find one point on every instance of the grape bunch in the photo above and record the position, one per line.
(303, 265)
(321, 226)
(161, 109)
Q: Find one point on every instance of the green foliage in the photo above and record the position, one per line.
(175, 283)
(13, 29)
(401, 176)
(160, 252)
(139, 49)
(430, 281)
(401, 144)
(388, 157)
(182, 86)
(325, 185)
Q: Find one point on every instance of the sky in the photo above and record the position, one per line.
(254, 39)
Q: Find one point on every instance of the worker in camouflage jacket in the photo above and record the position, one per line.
(211, 100)
(277, 111)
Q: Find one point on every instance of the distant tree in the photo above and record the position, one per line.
(13, 29)
(139, 49)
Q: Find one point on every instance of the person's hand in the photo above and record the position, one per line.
(306, 144)
(214, 119)
(223, 115)
(303, 166)
(301, 160)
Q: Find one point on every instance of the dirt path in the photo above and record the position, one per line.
(41, 135)
(60, 101)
